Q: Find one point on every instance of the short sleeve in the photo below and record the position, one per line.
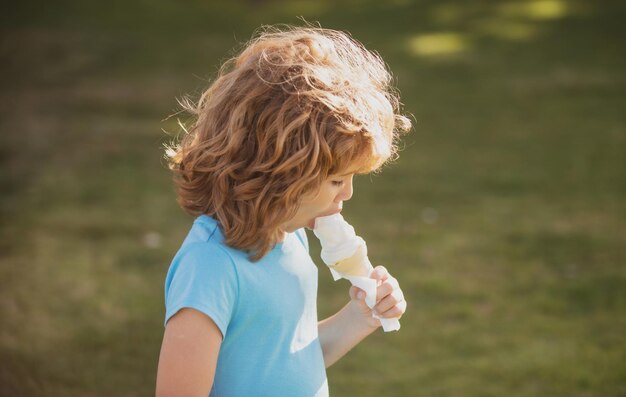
(202, 277)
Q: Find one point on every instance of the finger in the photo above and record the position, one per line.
(394, 312)
(380, 273)
(389, 301)
(383, 290)
(386, 288)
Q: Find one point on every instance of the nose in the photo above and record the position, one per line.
(346, 193)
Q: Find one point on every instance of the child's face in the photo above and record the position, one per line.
(327, 201)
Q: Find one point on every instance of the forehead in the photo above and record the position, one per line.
(356, 163)
(361, 164)
(347, 172)
(344, 174)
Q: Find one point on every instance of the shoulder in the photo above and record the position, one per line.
(202, 276)
(204, 258)
(204, 229)
(204, 242)
(205, 250)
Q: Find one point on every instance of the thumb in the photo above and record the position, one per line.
(357, 293)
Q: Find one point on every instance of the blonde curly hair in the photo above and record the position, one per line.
(295, 106)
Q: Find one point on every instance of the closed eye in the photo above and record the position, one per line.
(338, 183)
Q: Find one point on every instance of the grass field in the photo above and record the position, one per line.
(504, 218)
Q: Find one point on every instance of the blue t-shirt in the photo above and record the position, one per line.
(266, 311)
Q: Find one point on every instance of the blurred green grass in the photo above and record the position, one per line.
(503, 218)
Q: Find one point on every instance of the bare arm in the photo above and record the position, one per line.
(341, 332)
(191, 344)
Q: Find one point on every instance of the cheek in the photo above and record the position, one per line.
(322, 201)
(308, 208)
(327, 199)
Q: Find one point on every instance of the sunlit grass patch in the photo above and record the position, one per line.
(534, 9)
(436, 44)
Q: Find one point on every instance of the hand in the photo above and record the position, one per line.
(390, 301)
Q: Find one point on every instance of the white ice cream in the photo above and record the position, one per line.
(345, 254)
(342, 250)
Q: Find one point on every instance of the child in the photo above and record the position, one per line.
(277, 139)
